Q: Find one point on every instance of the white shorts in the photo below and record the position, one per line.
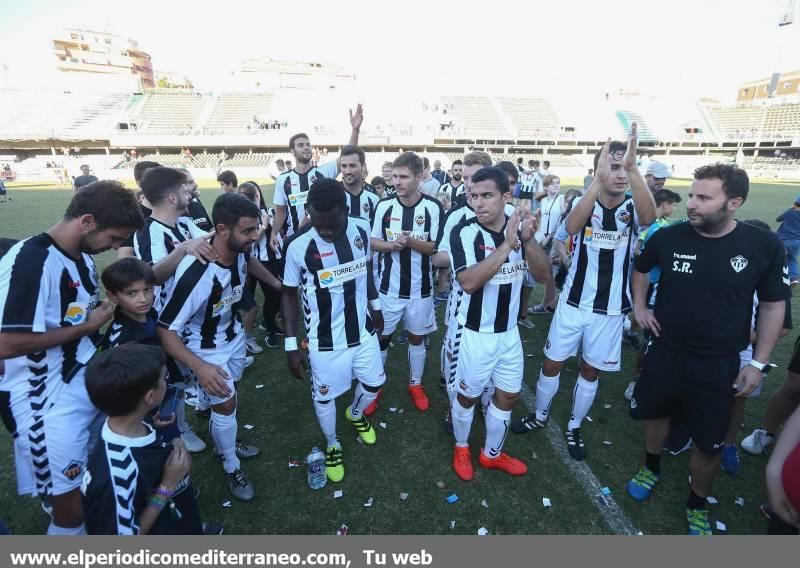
(332, 372)
(418, 314)
(488, 357)
(54, 449)
(230, 357)
(744, 360)
(528, 280)
(599, 337)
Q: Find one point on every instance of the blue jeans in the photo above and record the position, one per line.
(792, 250)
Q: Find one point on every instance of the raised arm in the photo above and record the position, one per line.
(643, 200)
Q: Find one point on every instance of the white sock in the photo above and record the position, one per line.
(496, 430)
(462, 422)
(582, 399)
(55, 530)
(326, 415)
(416, 362)
(486, 396)
(384, 355)
(443, 366)
(223, 430)
(546, 389)
(362, 399)
(180, 417)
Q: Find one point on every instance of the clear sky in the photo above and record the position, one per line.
(550, 48)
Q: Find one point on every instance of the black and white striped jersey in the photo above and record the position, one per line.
(43, 288)
(407, 273)
(362, 205)
(201, 304)
(261, 250)
(454, 218)
(156, 240)
(197, 213)
(291, 191)
(599, 276)
(333, 278)
(121, 475)
(494, 307)
(453, 192)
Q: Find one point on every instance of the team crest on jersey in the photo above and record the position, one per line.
(358, 242)
(324, 389)
(517, 246)
(365, 207)
(420, 220)
(739, 263)
(73, 470)
(624, 216)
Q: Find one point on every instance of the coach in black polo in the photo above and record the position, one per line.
(711, 266)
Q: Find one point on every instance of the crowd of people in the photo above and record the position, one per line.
(94, 391)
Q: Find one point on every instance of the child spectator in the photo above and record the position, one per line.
(135, 482)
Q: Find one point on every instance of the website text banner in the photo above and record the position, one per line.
(393, 551)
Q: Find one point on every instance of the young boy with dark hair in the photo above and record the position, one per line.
(130, 284)
(135, 483)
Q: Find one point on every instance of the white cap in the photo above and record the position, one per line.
(658, 170)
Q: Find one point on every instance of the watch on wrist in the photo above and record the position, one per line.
(763, 367)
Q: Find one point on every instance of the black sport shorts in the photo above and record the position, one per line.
(699, 388)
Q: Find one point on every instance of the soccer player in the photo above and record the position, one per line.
(360, 201)
(386, 170)
(200, 327)
(405, 232)
(291, 187)
(596, 295)
(136, 482)
(455, 187)
(168, 235)
(272, 261)
(50, 315)
(330, 259)
(126, 249)
(196, 210)
(710, 269)
(489, 254)
(228, 182)
(85, 178)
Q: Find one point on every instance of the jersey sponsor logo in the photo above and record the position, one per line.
(73, 470)
(358, 242)
(339, 274)
(624, 216)
(739, 263)
(74, 285)
(607, 240)
(420, 220)
(510, 272)
(296, 199)
(226, 303)
(322, 255)
(416, 235)
(76, 313)
(486, 247)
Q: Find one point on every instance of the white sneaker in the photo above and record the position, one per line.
(253, 346)
(248, 361)
(629, 390)
(193, 442)
(757, 441)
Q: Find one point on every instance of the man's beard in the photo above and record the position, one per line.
(710, 223)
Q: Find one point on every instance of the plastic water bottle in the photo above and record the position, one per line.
(316, 469)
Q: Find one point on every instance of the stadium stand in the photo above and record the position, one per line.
(476, 115)
(530, 117)
(237, 111)
(170, 112)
